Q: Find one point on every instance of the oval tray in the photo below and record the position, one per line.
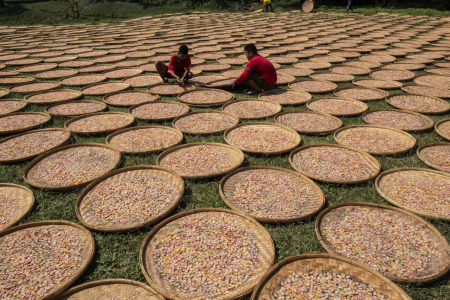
(4, 92)
(77, 96)
(23, 103)
(398, 84)
(439, 266)
(275, 105)
(372, 165)
(228, 184)
(179, 127)
(101, 77)
(410, 74)
(238, 157)
(307, 96)
(429, 123)
(110, 288)
(324, 91)
(266, 255)
(427, 161)
(25, 128)
(262, 125)
(67, 124)
(27, 202)
(445, 84)
(186, 110)
(88, 254)
(278, 120)
(212, 104)
(389, 101)
(46, 110)
(38, 159)
(134, 85)
(438, 92)
(320, 263)
(363, 71)
(402, 135)
(344, 77)
(364, 106)
(55, 86)
(149, 89)
(105, 98)
(381, 97)
(86, 218)
(439, 131)
(123, 83)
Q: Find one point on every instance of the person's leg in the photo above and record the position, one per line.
(189, 75)
(257, 84)
(271, 7)
(162, 70)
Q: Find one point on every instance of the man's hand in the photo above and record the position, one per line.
(232, 84)
(182, 81)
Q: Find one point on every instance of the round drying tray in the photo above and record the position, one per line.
(313, 86)
(28, 145)
(96, 69)
(4, 92)
(205, 122)
(34, 87)
(17, 202)
(392, 75)
(378, 58)
(377, 83)
(362, 64)
(443, 128)
(271, 195)
(115, 288)
(308, 122)
(98, 123)
(37, 68)
(419, 103)
(361, 93)
(351, 70)
(213, 67)
(439, 81)
(262, 138)
(283, 79)
(332, 77)
(144, 139)
(319, 263)
(286, 97)
(205, 97)
(405, 66)
(8, 106)
(83, 79)
(123, 72)
(158, 110)
(201, 160)
(337, 106)
(252, 108)
(424, 192)
(378, 140)
(69, 246)
(71, 166)
(55, 73)
(143, 80)
(75, 108)
(388, 227)
(129, 98)
(221, 223)
(53, 96)
(296, 72)
(427, 91)
(169, 89)
(22, 121)
(103, 88)
(308, 6)
(223, 83)
(312, 65)
(435, 155)
(129, 198)
(334, 164)
(399, 119)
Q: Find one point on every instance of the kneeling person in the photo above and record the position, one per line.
(259, 73)
(179, 66)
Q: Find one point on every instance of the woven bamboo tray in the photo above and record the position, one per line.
(427, 123)
(70, 72)
(110, 138)
(157, 80)
(115, 156)
(227, 189)
(87, 253)
(26, 202)
(153, 89)
(67, 125)
(281, 120)
(312, 65)
(19, 88)
(439, 81)
(236, 155)
(83, 206)
(183, 109)
(439, 130)
(3, 132)
(13, 80)
(241, 113)
(74, 95)
(404, 66)
(268, 127)
(363, 106)
(110, 288)
(96, 68)
(372, 166)
(41, 67)
(421, 153)
(401, 136)
(272, 96)
(119, 86)
(4, 92)
(98, 78)
(444, 104)
(137, 71)
(229, 96)
(381, 93)
(357, 71)
(439, 264)
(328, 87)
(296, 72)
(223, 83)
(101, 107)
(28, 157)
(265, 259)
(177, 122)
(332, 77)
(392, 174)
(377, 83)
(321, 263)
(427, 91)
(402, 75)
(23, 104)
(148, 98)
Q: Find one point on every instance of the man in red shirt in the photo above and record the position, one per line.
(259, 73)
(179, 66)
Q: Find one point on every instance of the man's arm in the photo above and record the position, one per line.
(245, 75)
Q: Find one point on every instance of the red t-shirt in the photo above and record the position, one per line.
(179, 68)
(261, 66)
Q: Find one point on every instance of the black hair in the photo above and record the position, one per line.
(183, 49)
(251, 48)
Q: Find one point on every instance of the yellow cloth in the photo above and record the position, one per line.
(266, 2)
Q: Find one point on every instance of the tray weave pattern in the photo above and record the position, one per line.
(23, 201)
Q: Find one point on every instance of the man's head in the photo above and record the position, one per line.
(183, 51)
(250, 51)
